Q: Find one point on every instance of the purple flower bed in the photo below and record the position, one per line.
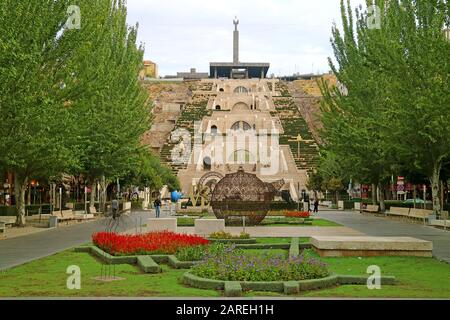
(236, 265)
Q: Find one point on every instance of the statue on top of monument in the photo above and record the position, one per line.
(235, 22)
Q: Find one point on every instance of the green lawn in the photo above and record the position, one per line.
(417, 278)
(289, 222)
(47, 277)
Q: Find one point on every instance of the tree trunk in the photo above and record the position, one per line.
(29, 193)
(374, 194)
(103, 194)
(442, 198)
(435, 180)
(415, 195)
(337, 197)
(93, 192)
(20, 185)
(381, 190)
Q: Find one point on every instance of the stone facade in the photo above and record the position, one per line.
(241, 109)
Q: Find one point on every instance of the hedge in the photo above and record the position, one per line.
(288, 287)
(148, 265)
(348, 205)
(32, 209)
(79, 206)
(137, 204)
(7, 211)
(232, 289)
(283, 206)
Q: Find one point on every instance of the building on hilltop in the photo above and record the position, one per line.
(150, 70)
(193, 75)
(237, 69)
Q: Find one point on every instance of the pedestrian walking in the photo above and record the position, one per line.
(115, 208)
(157, 204)
(316, 206)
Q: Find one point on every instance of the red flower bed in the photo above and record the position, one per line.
(297, 214)
(150, 243)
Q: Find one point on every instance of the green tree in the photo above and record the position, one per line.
(416, 55)
(34, 119)
(396, 76)
(113, 109)
(70, 97)
(150, 172)
(354, 118)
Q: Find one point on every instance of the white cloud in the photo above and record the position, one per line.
(293, 35)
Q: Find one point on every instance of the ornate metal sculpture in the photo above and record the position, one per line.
(201, 193)
(242, 194)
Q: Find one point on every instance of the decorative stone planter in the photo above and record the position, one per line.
(205, 227)
(126, 206)
(231, 288)
(162, 224)
(365, 246)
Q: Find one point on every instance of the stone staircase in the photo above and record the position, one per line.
(294, 124)
(195, 110)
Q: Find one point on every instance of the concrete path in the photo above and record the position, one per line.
(279, 232)
(380, 226)
(24, 249)
(19, 250)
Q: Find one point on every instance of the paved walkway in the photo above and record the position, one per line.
(19, 250)
(24, 249)
(280, 232)
(380, 226)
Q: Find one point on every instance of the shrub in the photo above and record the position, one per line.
(137, 204)
(142, 244)
(197, 253)
(281, 205)
(236, 266)
(194, 253)
(297, 214)
(8, 211)
(226, 235)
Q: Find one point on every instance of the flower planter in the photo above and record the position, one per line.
(288, 287)
(236, 241)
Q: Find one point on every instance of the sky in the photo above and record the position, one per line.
(292, 35)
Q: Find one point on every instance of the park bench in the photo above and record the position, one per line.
(8, 220)
(420, 214)
(371, 208)
(82, 216)
(399, 212)
(65, 215)
(441, 223)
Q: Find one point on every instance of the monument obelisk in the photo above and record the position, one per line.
(236, 41)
